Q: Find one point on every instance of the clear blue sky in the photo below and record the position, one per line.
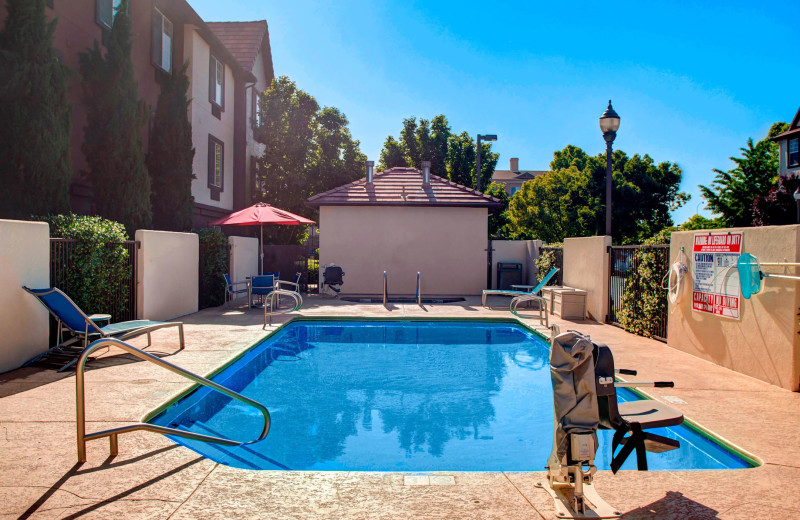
(690, 82)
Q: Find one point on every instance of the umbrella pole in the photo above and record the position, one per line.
(261, 248)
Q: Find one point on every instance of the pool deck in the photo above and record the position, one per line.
(154, 478)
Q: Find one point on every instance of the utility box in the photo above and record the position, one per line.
(508, 274)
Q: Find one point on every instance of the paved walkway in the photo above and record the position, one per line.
(154, 478)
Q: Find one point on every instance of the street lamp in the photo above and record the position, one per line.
(609, 124)
(487, 137)
(797, 201)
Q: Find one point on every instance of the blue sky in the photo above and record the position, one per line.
(690, 80)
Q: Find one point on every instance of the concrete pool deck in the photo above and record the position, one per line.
(154, 478)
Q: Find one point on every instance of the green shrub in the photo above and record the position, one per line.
(547, 261)
(644, 302)
(98, 263)
(213, 265)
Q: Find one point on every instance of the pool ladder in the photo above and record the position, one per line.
(417, 294)
(114, 432)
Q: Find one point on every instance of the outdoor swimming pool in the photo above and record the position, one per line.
(401, 396)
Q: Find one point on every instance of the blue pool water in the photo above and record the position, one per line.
(401, 396)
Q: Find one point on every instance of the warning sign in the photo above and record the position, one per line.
(716, 280)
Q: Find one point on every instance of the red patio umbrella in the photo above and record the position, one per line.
(258, 215)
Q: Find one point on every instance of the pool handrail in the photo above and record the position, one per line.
(419, 289)
(385, 289)
(114, 432)
(273, 309)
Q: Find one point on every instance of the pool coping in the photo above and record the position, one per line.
(171, 400)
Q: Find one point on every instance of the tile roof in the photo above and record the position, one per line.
(508, 175)
(242, 39)
(403, 187)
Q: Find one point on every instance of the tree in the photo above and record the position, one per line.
(35, 131)
(115, 118)
(731, 193)
(392, 155)
(440, 134)
(171, 156)
(571, 201)
(409, 143)
(498, 219)
(777, 207)
(461, 159)
(308, 150)
(700, 222)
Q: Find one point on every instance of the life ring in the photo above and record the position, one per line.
(675, 282)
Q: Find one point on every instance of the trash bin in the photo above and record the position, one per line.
(508, 274)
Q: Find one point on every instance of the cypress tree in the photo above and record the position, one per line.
(171, 155)
(35, 168)
(115, 117)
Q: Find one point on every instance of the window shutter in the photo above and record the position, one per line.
(105, 13)
(156, 37)
(212, 74)
(211, 161)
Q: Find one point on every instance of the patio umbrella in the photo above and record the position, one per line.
(258, 215)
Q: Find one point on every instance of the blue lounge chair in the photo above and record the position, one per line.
(504, 292)
(85, 327)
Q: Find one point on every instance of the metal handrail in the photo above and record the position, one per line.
(114, 432)
(385, 288)
(529, 298)
(419, 289)
(277, 293)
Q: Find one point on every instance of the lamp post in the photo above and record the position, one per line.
(609, 124)
(797, 201)
(487, 137)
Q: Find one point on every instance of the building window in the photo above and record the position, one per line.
(216, 83)
(216, 166)
(793, 157)
(104, 12)
(514, 190)
(162, 34)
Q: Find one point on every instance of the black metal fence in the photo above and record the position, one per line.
(120, 301)
(558, 261)
(624, 262)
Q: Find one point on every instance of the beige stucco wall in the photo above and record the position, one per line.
(254, 149)
(244, 257)
(197, 51)
(24, 260)
(764, 342)
(586, 267)
(446, 245)
(167, 267)
(523, 252)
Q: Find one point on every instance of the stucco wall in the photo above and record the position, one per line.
(764, 342)
(244, 257)
(446, 245)
(167, 265)
(523, 252)
(24, 260)
(586, 267)
(204, 123)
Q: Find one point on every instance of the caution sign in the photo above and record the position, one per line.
(716, 280)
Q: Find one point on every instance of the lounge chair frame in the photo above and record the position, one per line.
(91, 329)
(503, 292)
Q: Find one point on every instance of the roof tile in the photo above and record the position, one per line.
(242, 39)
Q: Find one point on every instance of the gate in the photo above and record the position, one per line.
(624, 262)
(557, 254)
(120, 300)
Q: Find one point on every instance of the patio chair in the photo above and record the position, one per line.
(84, 327)
(332, 277)
(261, 286)
(231, 292)
(504, 292)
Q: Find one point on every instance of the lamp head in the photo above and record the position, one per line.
(609, 121)
(488, 137)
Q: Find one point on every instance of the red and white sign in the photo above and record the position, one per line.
(716, 280)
